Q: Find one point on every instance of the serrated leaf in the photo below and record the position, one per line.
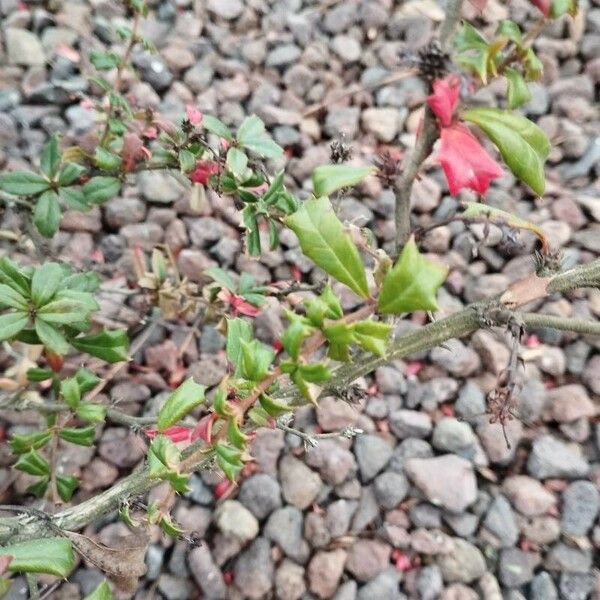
(187, 160)
(238, 331)
(23, 183)
(222, 278)
(252, 136)
(251, 127)
(272, 406)
(411, 284)
(82, 436)
(518, 90)
(86, 379)
(372, 336)
(11, 324)
(33, 463)
(104, 61)
(70, 173)
(106, 160)
(100, 189)
(264, 147)
(50, 157)
(47, 555)
(109, 345)
(46, 213)
(217, 127)
(74, 198)
(13, 276)
(256, 360)
(66, 486)
(468, 37)
(339, 337)
(102, 592)
(64, 311)
(533, 66)
(70, 391)
(510, 30)
(93, 413)
(237, 162)
(235, 435)
(523, 145)
(330, 178)
(558, 8)
(25, 442)
(324, 240)
(183, 400)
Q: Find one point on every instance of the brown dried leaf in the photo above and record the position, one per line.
(525, 291)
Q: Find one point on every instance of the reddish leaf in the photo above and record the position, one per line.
(203, 429)
(204, 169)
(55, 361)
(193, 114)
(222, 488)
(132, 151)
(177, 433)
(543, 6)
(465, 161)
(444, 99)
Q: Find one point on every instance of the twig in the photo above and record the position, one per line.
(311, 440)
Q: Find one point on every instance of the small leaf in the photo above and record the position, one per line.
(74, 198)
(38, 374)
(256, 360)
(109, 345)
(237, 162)
(46, 213)
(523, 145)
(518, 90)
(411, 284)
(187, 161)
(100, 189)
(33, 463)
(235, 436)
(238, 331)
(70, 173)
(272, 406)
(102, 592)
(10, 298)
(104, 61)
(252, 136)
(558, 8)
(534, 67)
(183, 400)
(86, 379)
(372, 336)
(217, 127)
(324, 240)
(13, 276)
(50, 157)
(51, 337)
(45, 282)
(70, 391)
(20, 444)
(11, 324)
(330, 178)
(47, 555)
(66, 486)
(106, 160)
(221, 277)
(250, 128)
(93, 413)
(23, 183)
(511, 30)
(82, 436)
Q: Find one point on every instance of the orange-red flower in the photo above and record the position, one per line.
(203, 171)
(444, 99)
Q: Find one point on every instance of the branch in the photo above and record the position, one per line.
(457, 325)
(424, 145)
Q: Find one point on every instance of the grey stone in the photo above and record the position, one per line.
(410, 424)
(372, 454)
(347, 591)
(206, 573)
(471, 401)
(285, 527)
(568, 559)
(154, 561)
(235, 520)
(456, 358)
(347, 48)
(159, 187)
(383, 587)
(174, 588)
(324, 572)
(367, 511)
(299, 484)
(226, 9)
(500, 521)
(550, 457)
(339, 515)
(23, 47)
(367, 559)
(154, 70)
(451, 435)
(425, 515)
(409, 448)
(516, 567)
(429, 583)
(334, 462)
(254, 569)
(542, 587)
(383, 123)
(260, 494)
(282, 55)
(289, 581)
(390, 489)
(342, 120)
(464, 564)
(581, 503)
(577, 586)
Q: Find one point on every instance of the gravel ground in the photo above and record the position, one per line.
(429, 503)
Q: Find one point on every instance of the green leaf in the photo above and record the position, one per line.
(11, 324)
(252, 231)
(74, 198)
(33, 463)
(46, 213)
(64, 311)
(23, 183)
(558, 8)
(511, 30)
(294, 335)
(325, 306)
(315, 372)
(5, 585)
(51, 337)
(70, 173)
(70, 391)
(50, 157)
(272, 406)
(47, 555)
(66, 486)
(518, 90)
(217, 127)
(106, 160)
(339, 337)
(109, 345)
(104, 61)
(250, 128)
(82, 436)
(45, 282)
(252, 136)
(411, 284)
(23, 443)
(237, 162)
(235, 435)
(222, 278)
(523, 145)
(163, 463)
(10, 298)
(330, 178)
(238, 331)
(534, 67)
(38, 489)
(86, 379)
(100, 189)
(372, 336)
(102, 592)
(13, 276)
(38, 374)
(468, 37)
(264, 147)
(169, 527)
(183, 400)
(256, 360)
(276, 186)
(93, 413)
(324, 240)
(187, 161)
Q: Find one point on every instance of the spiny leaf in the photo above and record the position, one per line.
(330, 178)
(47, 555)
(184, 399)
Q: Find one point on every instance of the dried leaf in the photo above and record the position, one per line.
(525, 291)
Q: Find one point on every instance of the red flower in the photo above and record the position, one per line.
(543, 5)
(193, 114)
(204, 169)
(444, 99)
(177, 433)
(465, 161)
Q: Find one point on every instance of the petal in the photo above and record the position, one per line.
(193, 114)
(444, 99)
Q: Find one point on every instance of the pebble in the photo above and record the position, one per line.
(464, 564)
(550, 457)
(383, 587)
(334, 462)
(410, 424)
(299, 484)
(372, 454)
(23, 48)
(324, 572)
(254, 569)
(429, 583)
(260, 494)
(367, 559)
(390, 489)
(580, 506)
(451, 435)
(289, 581)
(456, 358)
(226, 9)
(500, 521)
(235, 520)
(528, 495)
(516, 567)
(285, 527)
(542, 587)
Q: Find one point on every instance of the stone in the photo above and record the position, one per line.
(430, 541)
(159, 187)
(501, 522)
(471, 402)
(516, 567)
(367, 510)
(206, 573)
(338, 517)
(254, 570)
(464, 564)
(367, 559)
(542, 530)
(580, 506)
(410, 424)
(235, 520)
(383, 587)
(285, 527)
(226, 9)
(549, 457)
(347, 591)
(491, 436)
(347, 48)
(334, 462)
(289, 581)
(409, 448)
(383, 123)
(390, 489)
(577, 586)
(493, 352)
(174, 588)
(315, 530)
(120, 447)
(260, 494)
(456, 358)
(144, 235)
(299, 484)
(568, 403)
(23, 48)
(447, 481)
(452, 435)
(429, 583)
(542, 587)
(342, 120)
(372, 454)
(324, 572)
(334, 414)
(568, 559)
(283, 55)
(528, 495)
